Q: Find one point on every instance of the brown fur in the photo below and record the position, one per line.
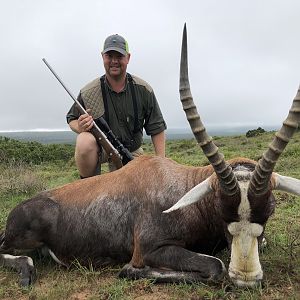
(117, 218)
(82, 192)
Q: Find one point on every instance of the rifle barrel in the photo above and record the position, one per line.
(64, 86)
(96, 131)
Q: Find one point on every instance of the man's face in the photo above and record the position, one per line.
(115, 63)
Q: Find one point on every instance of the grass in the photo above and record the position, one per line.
(280, 259)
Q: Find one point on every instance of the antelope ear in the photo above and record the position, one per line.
(286, 184)
(194, 195)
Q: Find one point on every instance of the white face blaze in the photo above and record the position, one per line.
(245, 268)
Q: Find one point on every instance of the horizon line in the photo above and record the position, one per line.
(211, 126)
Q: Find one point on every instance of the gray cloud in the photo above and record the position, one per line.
(243, 56)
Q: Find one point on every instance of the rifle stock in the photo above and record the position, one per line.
(101, 138)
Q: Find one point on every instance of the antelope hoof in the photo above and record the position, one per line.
(27, 277)
(27, 272)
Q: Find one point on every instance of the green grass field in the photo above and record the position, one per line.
(280, 259)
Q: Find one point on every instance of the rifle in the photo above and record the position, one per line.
(126, 155)
(109, 142)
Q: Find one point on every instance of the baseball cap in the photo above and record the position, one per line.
(117, 43)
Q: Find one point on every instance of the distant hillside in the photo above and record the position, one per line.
(69, 137)
(44, 137)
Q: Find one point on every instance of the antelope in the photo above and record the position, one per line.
(162, 220)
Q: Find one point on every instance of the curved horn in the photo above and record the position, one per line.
(259, 182)
(224, 172)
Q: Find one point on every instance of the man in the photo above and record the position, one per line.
(127, 103)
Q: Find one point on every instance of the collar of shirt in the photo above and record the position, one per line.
(110, 88)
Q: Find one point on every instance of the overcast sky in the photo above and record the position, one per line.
(244, 56)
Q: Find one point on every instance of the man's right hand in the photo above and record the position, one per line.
(85, 122)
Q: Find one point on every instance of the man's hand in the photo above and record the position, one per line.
(85, 122)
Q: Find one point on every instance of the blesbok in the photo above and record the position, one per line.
(125, 216)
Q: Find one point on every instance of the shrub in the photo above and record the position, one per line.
(255, 132)
(33, 152)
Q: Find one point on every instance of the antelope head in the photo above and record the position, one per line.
(245, 192)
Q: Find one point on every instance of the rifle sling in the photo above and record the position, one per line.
(134, 101)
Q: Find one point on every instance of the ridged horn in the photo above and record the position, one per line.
(259, 182)
(224, 172)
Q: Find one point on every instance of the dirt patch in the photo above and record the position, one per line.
(80, 295)
(154, 296)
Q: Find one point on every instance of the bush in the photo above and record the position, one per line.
(33, 152)
(255, 132)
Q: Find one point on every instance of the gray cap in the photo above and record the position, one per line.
(117, 43)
